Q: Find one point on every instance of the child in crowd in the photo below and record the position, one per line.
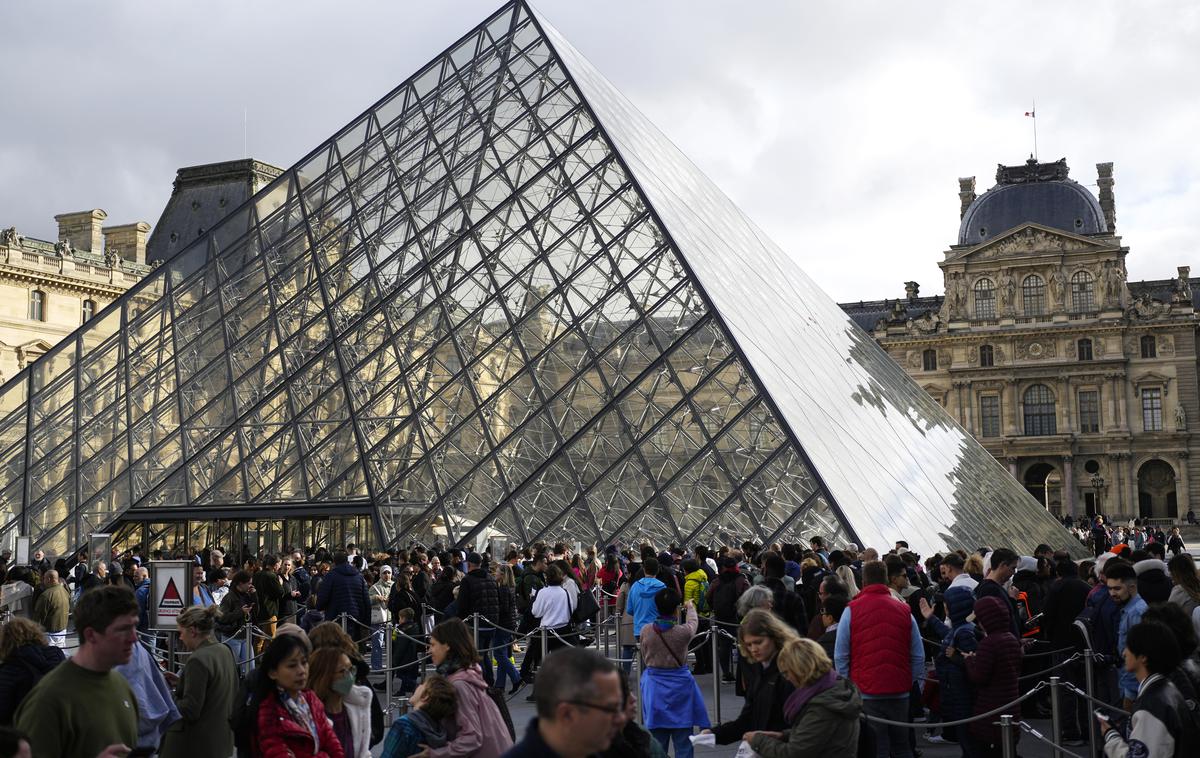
(433, 707)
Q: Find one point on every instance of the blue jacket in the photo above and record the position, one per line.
(343, 590)
(640, 603)
(1131, 616)
(956, 691)
(142, 594)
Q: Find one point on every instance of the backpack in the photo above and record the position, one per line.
(1087, 626)
(725, 595)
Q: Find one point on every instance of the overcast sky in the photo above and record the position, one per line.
(840, 127)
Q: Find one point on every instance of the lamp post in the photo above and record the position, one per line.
(1098, 487)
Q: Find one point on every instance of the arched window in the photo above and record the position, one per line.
(1149, 349)
(1033, 295)
(1039, 411)
(987, 356)
(37, 305)
(89, 310)
(985, 299)
(929, 360)
(1083, 298)
(1085, 349)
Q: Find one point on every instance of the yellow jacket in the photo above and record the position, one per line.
(693, 588)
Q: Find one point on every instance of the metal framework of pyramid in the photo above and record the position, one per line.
(499, 302)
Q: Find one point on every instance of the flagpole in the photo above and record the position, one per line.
(1035, 145)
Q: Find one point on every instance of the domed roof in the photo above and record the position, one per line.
(1035, 192)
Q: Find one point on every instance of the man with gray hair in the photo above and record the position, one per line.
(580, 706)
(757, 596)
(52, 608)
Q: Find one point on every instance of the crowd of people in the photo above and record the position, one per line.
(833, 651)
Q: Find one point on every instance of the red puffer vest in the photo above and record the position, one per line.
(880, 642)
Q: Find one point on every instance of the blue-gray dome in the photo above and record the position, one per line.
(1036, 192)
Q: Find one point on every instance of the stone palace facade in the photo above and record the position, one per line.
(1081, 383)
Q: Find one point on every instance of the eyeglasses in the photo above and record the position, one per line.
(611, 710)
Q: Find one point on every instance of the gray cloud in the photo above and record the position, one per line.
(840, 127)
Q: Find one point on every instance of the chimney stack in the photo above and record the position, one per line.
(966, 194)
(82, 229)
(1105, 181)
(127, 241)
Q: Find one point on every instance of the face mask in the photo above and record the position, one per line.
(342, 686)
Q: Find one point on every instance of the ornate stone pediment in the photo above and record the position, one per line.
(1027, 239)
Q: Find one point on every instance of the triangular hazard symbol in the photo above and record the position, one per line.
(171, 598)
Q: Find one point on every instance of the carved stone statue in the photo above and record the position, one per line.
(1114, 281)
(1183, 287)
(10, 237)
(62, 248)
(111, 259)
(1008, 292)
(1180, 418)
(1058, 287)
(1144, 307)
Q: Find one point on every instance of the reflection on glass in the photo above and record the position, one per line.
(498, 304)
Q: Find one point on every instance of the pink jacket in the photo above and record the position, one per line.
(482, 732)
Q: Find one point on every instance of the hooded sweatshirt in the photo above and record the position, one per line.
(641, 602)
(824, 720)
(481, 731)
(995, 667)
(957, 692)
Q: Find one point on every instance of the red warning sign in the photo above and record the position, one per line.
(170, 597)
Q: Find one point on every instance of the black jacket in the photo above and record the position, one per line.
(343, 590)
(508, 608)
(480, 594)
(441, 594)
(24, 668)
(1064, 601)
(762, 710)
(399, 599)
(789, 606)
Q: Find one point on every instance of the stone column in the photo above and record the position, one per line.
(1111, 423)
(1012, 466)
(1182, 488)
(1010, 410)
(1068, 479)
(1064, 393)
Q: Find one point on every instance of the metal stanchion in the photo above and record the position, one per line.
(617, 624)
(343, 622)
(171, 651)
(1090, 683)
(713, 631)
(1008, 745)
(249, 652)
(387, 663)
(475, 628)
(542, 632)
(1056, 714)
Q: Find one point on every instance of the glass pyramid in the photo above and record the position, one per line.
(498, 303)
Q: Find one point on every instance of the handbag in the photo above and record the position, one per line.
(587, 608)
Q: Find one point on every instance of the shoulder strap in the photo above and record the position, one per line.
(667, 645)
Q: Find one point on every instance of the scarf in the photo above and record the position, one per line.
(663, 623)
(297, 708)
(432, 732)
(800, 697)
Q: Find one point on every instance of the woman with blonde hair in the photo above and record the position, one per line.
(822, 712)
(26, 655)
(205, 691)
(348, 705)
(502, 637)
(846, 574)
(761, 636)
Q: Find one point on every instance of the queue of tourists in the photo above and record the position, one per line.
(832, 651)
